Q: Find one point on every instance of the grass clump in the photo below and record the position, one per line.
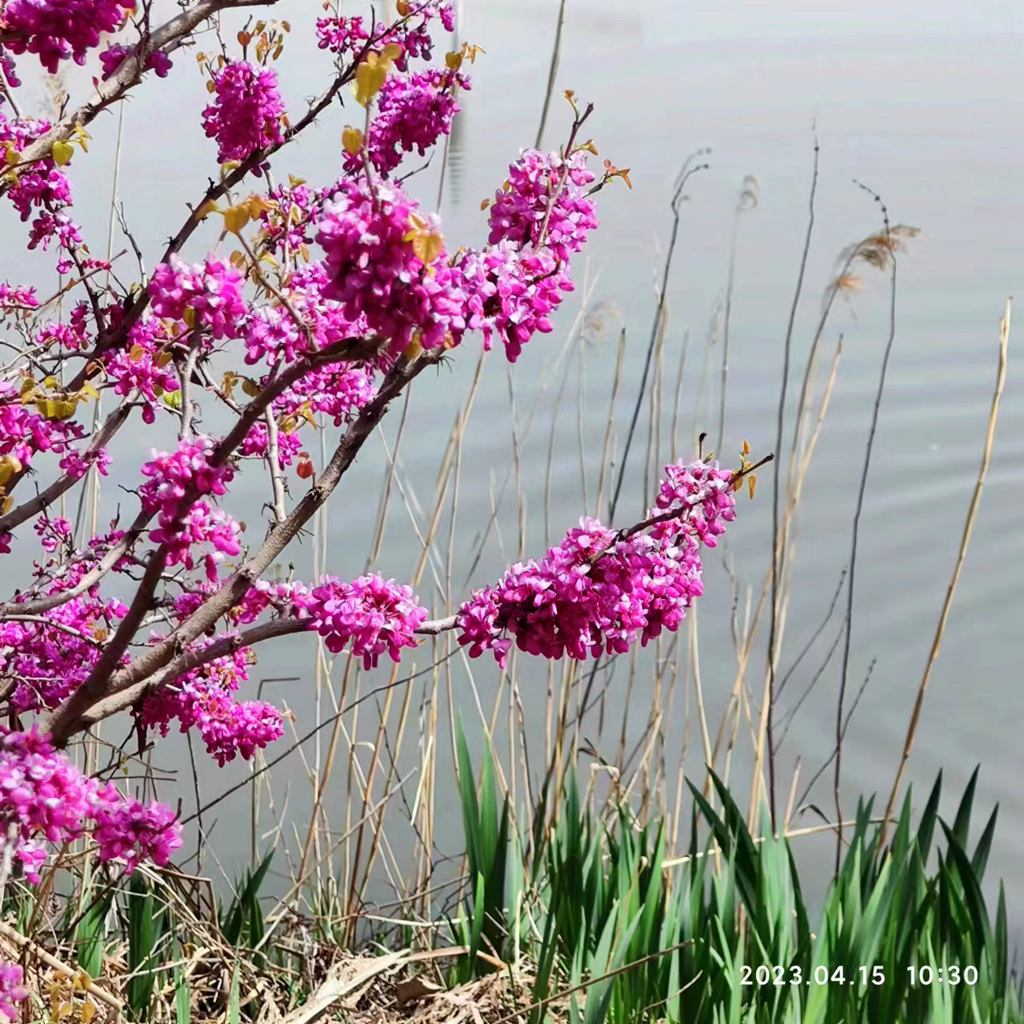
(580, 915)
(616, 931)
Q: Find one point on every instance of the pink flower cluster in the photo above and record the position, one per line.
(56, 30)
(114, 56)
(176, 481)
(131, 832)
(13, 296)
(600, 591)
(544, 203)
(378, 616)
(236, 728)
(256, 444)
(50, 659)
(347, 37)
(207, 295)
(42, 189)
(46, 799)
(289, 599)
(275, 333)
(53, 533)
(201, 524)
(76, 464)
(289, 216)
(701, 495)
(72, 336)
(174, 474)
(341, 35)
(337, 391)
(413, 34)
(143, 367)
(512, 293)
(26, 433)
(374, 272)
(203, 700)
(246, 112)
(413, 112)
(11, 990)
(272, 334)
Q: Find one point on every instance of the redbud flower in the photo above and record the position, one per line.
(114, 56)
(245, 114)
(59, 29)
(511, 293)
(77, 464)
(413, 112)
(378, 616)
(702, 494)
(25, 433)
(202, 700)
(544, 202)
(341, 35)
(11, 990)
(413, 34)
(600, 591)
(338, 391)
(43, 797)
(257, 443)
(41, 189)
(209, 294)
(385, 262)
(17, 295)
(173, 476)
(132, 832)
(274, 333)
(51, 659)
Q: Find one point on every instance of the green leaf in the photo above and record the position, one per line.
(89, 931)
(234, 998)
(182, 997)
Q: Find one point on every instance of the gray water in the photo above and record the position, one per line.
(922, 102)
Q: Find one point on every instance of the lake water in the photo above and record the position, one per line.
(920, 101)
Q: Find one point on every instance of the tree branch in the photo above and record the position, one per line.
(129, 74)
(134, 680)
(89, 580)
(46, 497)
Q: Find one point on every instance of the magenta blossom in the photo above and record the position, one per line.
(544, 202)
(114, 56)
(56, 30)
(246, 112)
(46, 799)
(599, 591)
(413, 112)
(385, 262)
(208, 295)
(378, 616)
(11, 990)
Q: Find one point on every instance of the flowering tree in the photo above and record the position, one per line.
(335, 298)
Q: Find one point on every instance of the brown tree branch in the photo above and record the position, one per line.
(107, 692)
(129, 74)
(46, 497)
(100, 678)
(162, 664)
(89, 580)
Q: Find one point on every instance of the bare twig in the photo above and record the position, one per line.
(855, 533)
